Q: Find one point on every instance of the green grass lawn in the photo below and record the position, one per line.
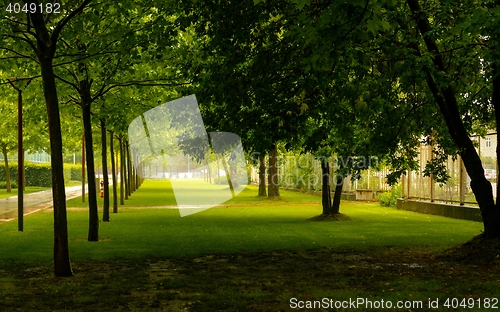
(247, 223)
(250, 253)
(28, 190)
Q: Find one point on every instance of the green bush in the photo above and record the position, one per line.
(74, 172)
(40, 174)
(389, 199)
(35, 174)
(3, 185)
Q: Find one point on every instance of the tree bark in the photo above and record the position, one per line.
(262, 176)
(326, 197)
(272, 183)
(105, 207)
(113, 172)
(7, 169)
(447, 102)
(93, 234)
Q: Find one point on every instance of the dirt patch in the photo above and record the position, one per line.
(249, 282)
(331, 217)
(478, 250)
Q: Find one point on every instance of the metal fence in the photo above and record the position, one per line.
(304, 172)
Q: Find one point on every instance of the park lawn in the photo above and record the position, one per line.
(249, 254)
(28, 190)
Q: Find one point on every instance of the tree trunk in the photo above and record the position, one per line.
(137, 172)
(83, 168)
(273, 187)
(123, 175)
(447, 102)
(228, 175)
(335, 209)
(45, 52)
(129, 168)
(132, 169)
(326, 197)
(125, 170)
(7, 169)
(93, 234)
(262, 176)
(233, 174)
(105, 207)
(113, 171)
(209, 175)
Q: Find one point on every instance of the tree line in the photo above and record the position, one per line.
(354, 79)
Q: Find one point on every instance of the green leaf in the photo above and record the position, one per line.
(456, 30)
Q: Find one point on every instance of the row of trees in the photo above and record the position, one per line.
(356, 79)
(91, 50)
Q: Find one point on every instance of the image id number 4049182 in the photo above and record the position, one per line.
(48, 8)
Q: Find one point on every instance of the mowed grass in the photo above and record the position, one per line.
(244, 224)
(248, 254)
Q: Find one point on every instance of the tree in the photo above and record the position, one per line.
(440, 80)
(8, 139)
(454, 47)
(36, 34)
(259, 99)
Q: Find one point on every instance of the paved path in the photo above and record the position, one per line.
(34, 202)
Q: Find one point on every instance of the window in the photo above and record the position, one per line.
(488, 142)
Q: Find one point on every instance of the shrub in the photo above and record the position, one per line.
(3, 185)
(75, 172)
(389, 199)
(38, 174)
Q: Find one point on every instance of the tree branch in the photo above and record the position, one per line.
(64, 21)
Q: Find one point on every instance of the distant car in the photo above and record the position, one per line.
(490, 174)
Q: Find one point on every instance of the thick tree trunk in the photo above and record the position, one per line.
(46, 48)
(262, 176)
(7, 169)
(272, 183)
(338, 192)
(447, 102)
(93, 234)
(113, 172)
(326, 199)
(105, 207)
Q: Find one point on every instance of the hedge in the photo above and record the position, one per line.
(40, 174)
